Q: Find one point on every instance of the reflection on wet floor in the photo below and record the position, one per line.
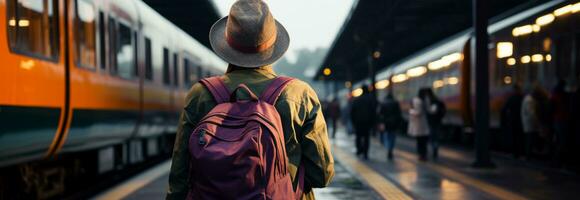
(345, 186)
(451, 177)
(410, 176)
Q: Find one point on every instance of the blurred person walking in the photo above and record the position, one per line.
(361, 115)
(346, 117)
(559, 109)
(250, 39)
(512, 121)
(333, 111)
(418, 126)
(532, 119)
(436, 111)
(390, 121)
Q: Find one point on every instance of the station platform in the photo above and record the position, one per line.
(452, 177)
(449, 177)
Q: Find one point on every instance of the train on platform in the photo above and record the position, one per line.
(88, 87)
(537, 45)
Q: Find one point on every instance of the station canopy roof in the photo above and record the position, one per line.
(399, 28)
(193, 16)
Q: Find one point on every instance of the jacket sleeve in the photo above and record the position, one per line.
(179, 174)
(316, 155)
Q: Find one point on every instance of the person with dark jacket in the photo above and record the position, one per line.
(559, 109)
(361, 115)
(391, 120)
(436, 110)
(333, 111)
(511, 120)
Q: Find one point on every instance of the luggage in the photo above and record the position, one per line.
(238, 149)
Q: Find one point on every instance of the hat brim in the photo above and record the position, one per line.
(221, 47)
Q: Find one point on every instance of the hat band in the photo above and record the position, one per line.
(251, 49)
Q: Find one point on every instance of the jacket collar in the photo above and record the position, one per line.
(264, 70)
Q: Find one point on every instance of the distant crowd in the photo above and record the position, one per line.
(363, 115)
(543, 125)
(538, 125)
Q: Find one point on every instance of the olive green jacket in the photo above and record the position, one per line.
(302, 120)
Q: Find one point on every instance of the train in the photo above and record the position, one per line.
(89, 87)
(534, 45)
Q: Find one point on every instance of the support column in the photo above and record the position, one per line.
(371, 59)
(372, 73)
(481, 64)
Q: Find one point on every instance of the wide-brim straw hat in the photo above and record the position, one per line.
(249, 36)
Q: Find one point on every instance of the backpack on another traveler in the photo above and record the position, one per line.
(238, 149)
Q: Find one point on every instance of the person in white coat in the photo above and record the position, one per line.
(418, 126)
(530, 121)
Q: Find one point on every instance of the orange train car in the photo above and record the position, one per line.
(88, 85)
(534, 45)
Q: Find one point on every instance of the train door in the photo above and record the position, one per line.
(32, 78)
(104, 86)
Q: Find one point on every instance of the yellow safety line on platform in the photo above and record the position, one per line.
(462, 178)
(130, 186)
(375, 180)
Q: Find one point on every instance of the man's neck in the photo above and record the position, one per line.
(232, 68)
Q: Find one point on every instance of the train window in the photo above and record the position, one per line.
(199, 71)
(148, 60)
(33, 27)
(112, 43)
(186, 73)
(166, 76)
(125, 52)
(175, 67)
(563, 57)
(135, 55)
(102, 43)
(86, 38)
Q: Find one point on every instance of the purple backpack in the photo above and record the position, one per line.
(238, 149)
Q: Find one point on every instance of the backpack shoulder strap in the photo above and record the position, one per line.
(217, 88)
(273, 91)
